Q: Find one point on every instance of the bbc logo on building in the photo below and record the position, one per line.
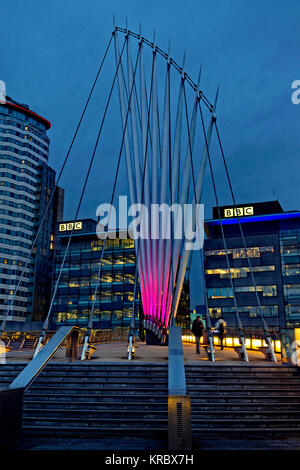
(238, 211)
(69, 226)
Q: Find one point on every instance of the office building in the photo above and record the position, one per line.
(273, 245)
(76, 288)
(26, 183)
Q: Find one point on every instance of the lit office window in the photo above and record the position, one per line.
(219, 292)
(238, 272)
(236, 253)
(291, 269)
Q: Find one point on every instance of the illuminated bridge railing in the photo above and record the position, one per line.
(107, 336)
(254, 340)
(26, 341)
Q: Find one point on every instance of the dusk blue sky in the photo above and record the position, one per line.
(50, 52)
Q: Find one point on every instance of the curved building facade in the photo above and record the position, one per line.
(26, 183)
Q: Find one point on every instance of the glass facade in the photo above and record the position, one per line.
(237, 253)
(238, 272)
(224, 292)
(76, 288)
(273, 252)
(26, 182)
(266, 270)
(290, 260)
(251, 310)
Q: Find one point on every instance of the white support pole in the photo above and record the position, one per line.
(155, 182)
(137, 172)
(132, 193)
(135, 143)
(169, 277)
(199, 185)
(183, 200)
(177, 144)
(145, 116)
(163, 186)
(121, 87)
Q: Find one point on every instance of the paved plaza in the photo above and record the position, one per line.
(116, 352)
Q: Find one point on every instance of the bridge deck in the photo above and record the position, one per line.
(116, 352)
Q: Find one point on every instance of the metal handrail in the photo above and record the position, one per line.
(39, 362)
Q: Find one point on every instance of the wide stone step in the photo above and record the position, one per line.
(243, 388)
(248, 423)
(30, 396)
(94, 391)
(244, 406)
(249, 373)
(200, 414)
(83, 381)
(104, 370)
(89, 422)
(242, 394)
(83, 414)
(258, 398)
(294, 381)
(250, 376)
(13, 364)
(94, 431)
(87, 367)
(7, 380)
(113, 374)
(243, 434)
(91, 385)
(237, 368)
(94, 405)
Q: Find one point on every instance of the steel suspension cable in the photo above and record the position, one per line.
(131, 334)
(46, 322)
(132, 327)
(238, 320)
(208, 322)
(172, 319)
(265, 326)
(90, 323)
(183, 78)
(3, 324)
(211, 352)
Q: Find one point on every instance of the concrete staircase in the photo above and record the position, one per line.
(244, 401)
(9, 371)
(95, 400)
(92, 400)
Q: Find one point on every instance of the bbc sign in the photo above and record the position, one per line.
(238, 211)
(69, 226)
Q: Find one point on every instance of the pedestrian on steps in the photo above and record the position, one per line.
(221, 328)
(197, 329)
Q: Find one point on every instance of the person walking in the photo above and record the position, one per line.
(221, 327)
(197, 329)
